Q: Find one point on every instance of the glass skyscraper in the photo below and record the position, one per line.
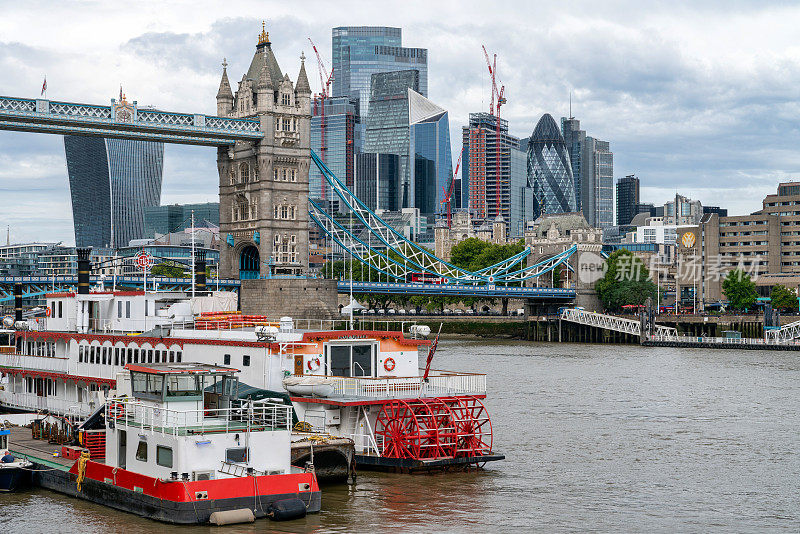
(549, 170)
(342, 136)
(429, 144)
(111, 183)
(388, 123)
(361, 51)
(376, 180)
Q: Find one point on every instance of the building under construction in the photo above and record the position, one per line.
(494, 173)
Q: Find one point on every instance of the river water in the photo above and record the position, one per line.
(596, 438)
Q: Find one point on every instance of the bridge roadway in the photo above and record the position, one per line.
(459, 290)
(35, 286)
(124, 120)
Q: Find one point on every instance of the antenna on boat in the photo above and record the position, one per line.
(431, 352)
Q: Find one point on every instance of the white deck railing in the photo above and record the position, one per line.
(34, 403)
(244, 415)
(37, 363)
(439, 384)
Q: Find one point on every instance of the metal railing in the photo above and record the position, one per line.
(439, 384)
(613, 322)
(242, 416)
(725, 340)
(34, 402)
(37, 363)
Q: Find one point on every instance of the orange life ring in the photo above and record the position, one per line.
(313, 364)
(389, 364)
(48, 311)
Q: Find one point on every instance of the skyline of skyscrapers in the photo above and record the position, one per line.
(111, 183)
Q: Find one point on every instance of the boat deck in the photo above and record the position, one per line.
(22, 444)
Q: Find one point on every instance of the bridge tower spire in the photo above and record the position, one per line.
(264, 185)
(224, 95)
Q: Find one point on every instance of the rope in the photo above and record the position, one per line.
(82, 468)
(196, 515)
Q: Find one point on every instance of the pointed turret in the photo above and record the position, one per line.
(302, 86)
(264, 79)
(224, 95)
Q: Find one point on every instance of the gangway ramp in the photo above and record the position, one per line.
(613, 322)
(787, 332)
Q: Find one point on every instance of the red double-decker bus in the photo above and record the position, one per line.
(424, 278)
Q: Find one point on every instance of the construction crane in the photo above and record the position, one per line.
(448, 193)
(325, 80)
(497, 100)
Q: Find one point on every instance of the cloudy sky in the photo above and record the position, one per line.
(699, 97)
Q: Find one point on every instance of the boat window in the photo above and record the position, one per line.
(226, 360)
(362, 360)
(119, 309)
(127, 309)
(141, 451)
(236, 455)
(80, 353)
(171, 356)
(130, 355)
(183, 386)
(105, 355)
(340, 360)
(60, 309)
(350, 360)
(116, 355)
(139, 383)
(245, 361)
(179, 355)
(164, 456)
(150, 356)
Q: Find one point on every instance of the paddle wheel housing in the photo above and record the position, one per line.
(434, 428)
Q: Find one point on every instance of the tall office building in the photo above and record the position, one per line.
(494, 171)
(627, 199)
(377, 179)
(575, 139)
(388, 123)
(429, 144)
(361, 51)
(597, 183)
(162, 220)
(111, 183)
(335, 138)
(549, 170)
(592, 164)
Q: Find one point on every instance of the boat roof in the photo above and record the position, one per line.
(181, 368)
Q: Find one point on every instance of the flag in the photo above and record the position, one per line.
(431, 352)
(44, 86)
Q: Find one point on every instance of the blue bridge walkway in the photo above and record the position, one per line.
(459, 290)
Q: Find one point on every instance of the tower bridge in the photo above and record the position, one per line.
(262, 136)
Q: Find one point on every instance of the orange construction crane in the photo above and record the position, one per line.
(496, 102)
(325, 80)
(448, 193)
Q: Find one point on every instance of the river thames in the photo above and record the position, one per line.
(596, 438)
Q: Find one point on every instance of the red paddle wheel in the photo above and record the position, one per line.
(443, 427)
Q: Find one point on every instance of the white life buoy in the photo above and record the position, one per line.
(314, 364)
(389, 364)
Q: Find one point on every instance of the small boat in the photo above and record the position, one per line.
(14, 472)
(309, 386)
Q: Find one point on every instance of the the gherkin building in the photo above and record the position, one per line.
(549, 170)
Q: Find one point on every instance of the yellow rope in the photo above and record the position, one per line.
(82, 467)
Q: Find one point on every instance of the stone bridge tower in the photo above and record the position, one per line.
(263, 187)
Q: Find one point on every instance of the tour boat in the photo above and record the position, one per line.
(14, 472)
(164, 447)
(363, 385)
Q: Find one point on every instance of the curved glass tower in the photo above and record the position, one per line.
(549, 170)
(111, 182)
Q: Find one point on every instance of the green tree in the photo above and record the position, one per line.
(740, 290)
(170, 270)
(626, 281)
(783, 298)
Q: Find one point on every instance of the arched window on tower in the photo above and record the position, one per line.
(244, 173)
